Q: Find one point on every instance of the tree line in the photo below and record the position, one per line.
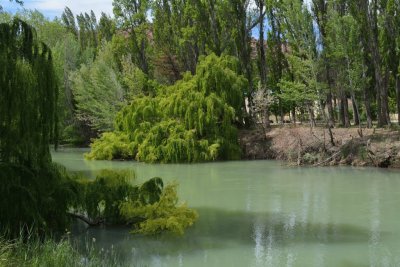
(302, 59)
(325, 53)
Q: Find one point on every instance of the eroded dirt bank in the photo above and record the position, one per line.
(301, 145)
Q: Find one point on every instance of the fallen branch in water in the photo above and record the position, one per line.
(328, 159)
(361, 142)
(87, 220)
(99, 221)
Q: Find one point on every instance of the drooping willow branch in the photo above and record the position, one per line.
(28, 96)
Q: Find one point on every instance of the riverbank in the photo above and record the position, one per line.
(35, 253)
(301, 145)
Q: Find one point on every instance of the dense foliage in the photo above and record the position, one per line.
(28, 96)
(149, 208)
(334, 62)
(97, 91)
(34, 200)
(190, 121)
(164, 215)
(36, 194)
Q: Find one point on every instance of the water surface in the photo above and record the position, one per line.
(261, 213)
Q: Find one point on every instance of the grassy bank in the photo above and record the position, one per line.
(51, 253)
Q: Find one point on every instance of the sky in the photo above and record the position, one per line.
(54, 8)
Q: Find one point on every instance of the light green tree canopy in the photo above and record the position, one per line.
(190, 121)
(97, 91)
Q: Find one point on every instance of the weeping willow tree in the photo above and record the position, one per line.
(28, 97)
(190, 121)
(31, 188)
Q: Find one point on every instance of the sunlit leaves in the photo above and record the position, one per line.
(164, 215)
(191, 121)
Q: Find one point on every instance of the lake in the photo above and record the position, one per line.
(263, 213)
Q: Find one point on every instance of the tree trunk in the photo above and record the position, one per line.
(311, 116)
(346, 111)
(294, 115)
(367, 104)
(242, 50)
(355, 109)
(331, 116)
(335, 107)
(261, 48)
(366, 95)
(341, 111)
(381, 91)
(331, 136)
(282, 115)
(261, 54)
(322, 110)
(381, 116)
(266, 115)
(385, 98)
(398, 97)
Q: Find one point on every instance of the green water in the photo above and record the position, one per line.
(260, 213)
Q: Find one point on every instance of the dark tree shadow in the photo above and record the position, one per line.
(218, 228)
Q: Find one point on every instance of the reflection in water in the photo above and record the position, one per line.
(270, 245)
(290, 229)
(262, 214)
(259, 249)
(290, 259)
(205, 259)
(375, 225)
(305, 205)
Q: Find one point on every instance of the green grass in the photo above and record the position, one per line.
(51, 253)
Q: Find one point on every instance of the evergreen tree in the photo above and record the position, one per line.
(97, 91)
